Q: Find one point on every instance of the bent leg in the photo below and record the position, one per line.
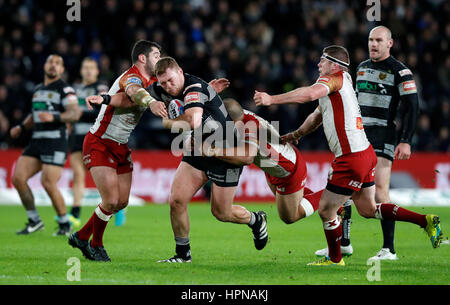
(222, 206)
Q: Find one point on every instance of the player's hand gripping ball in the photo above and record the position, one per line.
(175, 109)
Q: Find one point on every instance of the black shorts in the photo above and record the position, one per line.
(383, 141)
(220, 172)
(76, 143)
(48, 151)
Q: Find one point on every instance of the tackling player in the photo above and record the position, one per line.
(54, 104)
(282, 164)
(353, 170)
(105, 150)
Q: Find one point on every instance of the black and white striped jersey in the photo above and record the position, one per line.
(380, 87)
(52, 98)
(82, 126)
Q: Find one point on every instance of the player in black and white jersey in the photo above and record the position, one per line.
(90, 85)
(54, 104)
(203, 108)
(383, 84)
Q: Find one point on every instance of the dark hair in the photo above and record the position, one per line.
(143, 47)
(165, 63)
(338, 52)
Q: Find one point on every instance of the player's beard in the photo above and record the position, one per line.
(51, 75)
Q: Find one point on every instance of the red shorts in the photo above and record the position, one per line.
(353, 171)
(106, 152)
(295, 181)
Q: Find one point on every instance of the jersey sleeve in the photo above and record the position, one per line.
(131, 79)
(195, 96)
(409, 110)
(333, 82)
(68, 96)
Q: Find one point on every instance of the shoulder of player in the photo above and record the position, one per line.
(194, 84)
(399, 68)
(63, 87)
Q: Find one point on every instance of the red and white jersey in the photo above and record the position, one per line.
(341, 116)
(117, 123)
(275, 159)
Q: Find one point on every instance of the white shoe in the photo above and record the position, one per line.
(385, 254)
(345, 251)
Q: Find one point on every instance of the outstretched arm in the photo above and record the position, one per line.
(299, 95)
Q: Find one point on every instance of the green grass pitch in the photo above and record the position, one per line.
(223, 253)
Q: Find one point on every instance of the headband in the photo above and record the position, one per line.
(335, 60)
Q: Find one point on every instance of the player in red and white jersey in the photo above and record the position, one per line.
(105, 150)
(283, 164)
(352, 172)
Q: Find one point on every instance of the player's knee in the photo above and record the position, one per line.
(220, 214)
(121, 206)
(48, 183)
(288, 219)
(367, 212)
(177, 204)
(18, 181)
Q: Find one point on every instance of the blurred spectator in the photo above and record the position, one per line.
(271, 45)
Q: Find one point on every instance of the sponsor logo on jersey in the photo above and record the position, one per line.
(361, 73)
(68, 90)
(405, 72)
(193, 97)
(409, 85)
(382, 76)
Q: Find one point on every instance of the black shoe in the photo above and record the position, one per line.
(259, 229)
(177, 259)
(98, 253)
(75, 242)
(31, 227)
(64, 229)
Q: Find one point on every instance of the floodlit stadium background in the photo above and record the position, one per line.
(265, 45)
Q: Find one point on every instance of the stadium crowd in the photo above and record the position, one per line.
(270, 45)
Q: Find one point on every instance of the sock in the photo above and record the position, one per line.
(63, 219)
(182, 247)
(333, 233)
(75, 211)
(313, 199)
(33, 215)
(101, 218)
(253, 219)
(86, 231)
(388, 227)
(392, 211)
(346, 221)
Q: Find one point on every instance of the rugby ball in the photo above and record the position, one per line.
(175, 108)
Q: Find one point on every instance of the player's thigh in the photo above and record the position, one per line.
(26, 167)
(222, 198)
(329, 204)
(364, 201)
(124, 187)
(107, 182)
(76, 162)
(382, 179)
(288, 205)
(272, 187)
(50, 174)
(187, 181)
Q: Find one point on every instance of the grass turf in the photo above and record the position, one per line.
(223, 253)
